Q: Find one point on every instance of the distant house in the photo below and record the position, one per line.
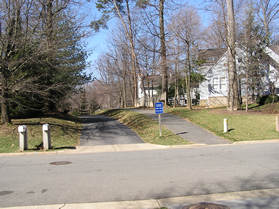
(214, 90)
(148, 90)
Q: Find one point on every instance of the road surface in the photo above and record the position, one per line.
(102, 130)
(32, 180)
(185, 129)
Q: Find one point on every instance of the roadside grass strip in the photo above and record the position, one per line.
(242, 126)
(146, 128)
(65, 134)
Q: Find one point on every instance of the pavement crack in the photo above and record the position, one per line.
(158, 203)
(62, 206)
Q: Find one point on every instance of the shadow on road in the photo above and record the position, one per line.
(255, 193)
(103, 130)
(95, 119)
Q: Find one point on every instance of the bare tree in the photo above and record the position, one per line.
(185, 26)
(233, 99)
(116, 6)
(268, 12)
(163, 53)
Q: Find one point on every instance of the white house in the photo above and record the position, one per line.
(214, 90)
(148, 90)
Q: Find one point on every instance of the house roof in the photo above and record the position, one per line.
(275, 48)
(274, 56)
(150, 80)
(211, 56)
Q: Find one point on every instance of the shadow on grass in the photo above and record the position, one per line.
(95, 119)
(66, 128)
(40, 147)
(57, 115)
(184, 132)
(177, 134)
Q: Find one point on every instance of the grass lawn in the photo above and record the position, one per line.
(145, 127)
(65, 134)
(243, 126)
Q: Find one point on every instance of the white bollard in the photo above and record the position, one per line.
(225, 125)
(277, 123)
(46, 137)
(22, 130)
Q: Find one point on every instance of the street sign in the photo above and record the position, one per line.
(159, 107)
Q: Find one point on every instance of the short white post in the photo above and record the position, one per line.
(160, 128)
(277, 123)
(225, 125)
(22, 130)
(46, 137)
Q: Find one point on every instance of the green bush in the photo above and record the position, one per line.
(267, 99)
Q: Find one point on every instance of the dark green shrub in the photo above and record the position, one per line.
(267, 99)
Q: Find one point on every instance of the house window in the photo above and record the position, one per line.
(222, 83)
(215, 83)
(211, 59)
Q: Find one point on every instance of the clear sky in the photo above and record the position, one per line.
(96, 42)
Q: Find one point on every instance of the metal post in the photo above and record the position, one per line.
(277, 123)
(22, 130)
(160, 129)
(225, 125)
(46, 137)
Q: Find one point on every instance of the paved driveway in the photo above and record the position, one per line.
(185, 129)
(102, 130)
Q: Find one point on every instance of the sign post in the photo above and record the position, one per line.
(159, 109)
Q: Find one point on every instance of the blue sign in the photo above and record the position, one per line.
(159, 107)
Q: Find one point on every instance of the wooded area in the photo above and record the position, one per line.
(155, 48)
(42, 58)
(153, 52)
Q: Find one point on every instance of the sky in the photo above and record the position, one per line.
(96, 43)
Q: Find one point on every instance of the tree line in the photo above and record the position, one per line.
(163, 38)
(42, 59)
(154, 45)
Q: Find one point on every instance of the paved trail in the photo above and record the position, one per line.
(102, 130)
(185, 129)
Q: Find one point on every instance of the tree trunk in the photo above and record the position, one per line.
(131, 90)
(143, 89)
(129, 34)
(4, 107)
(246, 90)
(152, 74)
(233, 99)
(176, 84)
(176, 90)
(188, 78)
(163, 53)
(49, 24)
(124, 93)
(265, 22)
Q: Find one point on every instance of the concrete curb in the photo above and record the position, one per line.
(131, 148)
(107, 148)
(166, 202)
(258, 141)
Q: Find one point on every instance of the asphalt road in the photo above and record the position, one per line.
(102, 130)
(32, 180)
